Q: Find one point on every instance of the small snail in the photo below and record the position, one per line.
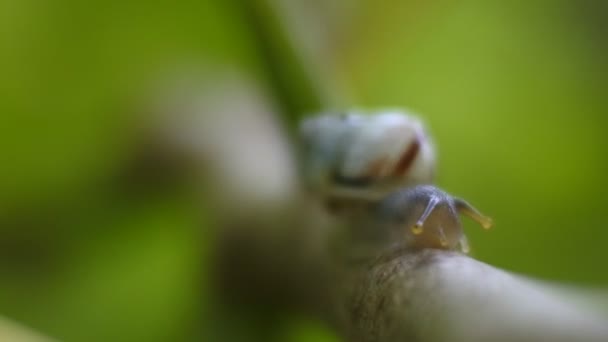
(354, 155)
(427, 217)
(368, 170)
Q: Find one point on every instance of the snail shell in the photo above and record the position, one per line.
(366, 156)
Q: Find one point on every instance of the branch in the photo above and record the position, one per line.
(434, 295)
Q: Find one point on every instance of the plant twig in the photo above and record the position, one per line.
(434, 295)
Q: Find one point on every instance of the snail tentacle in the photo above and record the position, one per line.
(419, 226)
(467, 209)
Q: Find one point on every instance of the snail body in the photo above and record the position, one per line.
(425, 216)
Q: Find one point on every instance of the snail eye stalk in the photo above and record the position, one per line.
(466, 209)
(419, 226)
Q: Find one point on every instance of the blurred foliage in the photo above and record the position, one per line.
(513, 92)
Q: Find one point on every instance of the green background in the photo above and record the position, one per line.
(513, 92)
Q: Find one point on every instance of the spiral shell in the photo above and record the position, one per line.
(366, 156)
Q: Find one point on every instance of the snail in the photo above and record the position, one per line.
(359, 156)
(373, 173)
(427, 217)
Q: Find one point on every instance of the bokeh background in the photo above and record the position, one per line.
(99, 244)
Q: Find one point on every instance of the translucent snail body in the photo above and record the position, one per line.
(427, 217)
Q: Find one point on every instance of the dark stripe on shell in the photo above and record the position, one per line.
(407, 159)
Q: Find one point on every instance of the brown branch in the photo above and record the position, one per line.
(434, 295)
